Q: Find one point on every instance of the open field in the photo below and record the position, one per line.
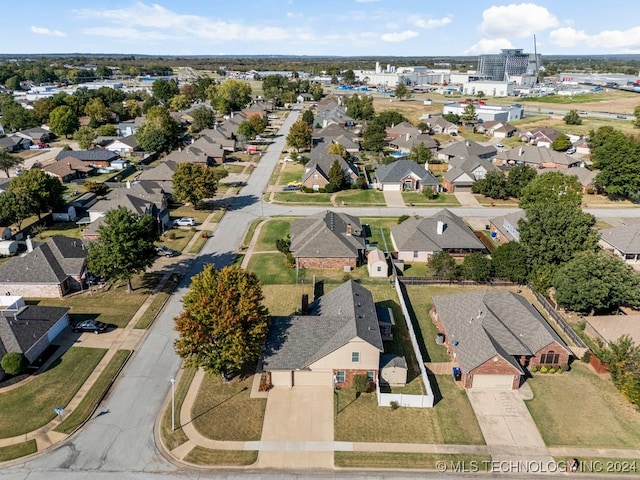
(582, 409)
(556, 122)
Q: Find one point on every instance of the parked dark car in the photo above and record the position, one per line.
(621, 117)
(92, 325)
(290, 188)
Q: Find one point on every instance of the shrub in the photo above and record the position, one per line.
(543, 369)
(361, 384)
(534, 368)
(551, 370)
(171, 235)
(289, 261)
(346, 277)
(563, 368)
(586, 357)
(402, 218)
(394, 405)
(14, 363)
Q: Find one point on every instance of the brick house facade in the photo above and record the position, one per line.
(349, 374)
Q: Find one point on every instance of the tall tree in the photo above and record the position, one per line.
(224, 323)
(552, 187)
(165, 90)
(443, 265)
(596, 282)
(97, 110)
(374, 137)
(8, 160)
(636, 114)
(561, 144)
(349, 77)
(402, 91)
(63, 121)
(307, 116)
(159, 132)
(203, 118)
(493, 185)
(572, 118)
(299, 136)
(469, 114)
(420, 154)
(84, 136)
(15, 207)
(125, 245)
(193, 183)
(616, 156)
(477, 267)
(45, 191)
(233, 95)
(519, 177)
(360, 107)
(510, 261)
(336, 176)
(316, 91)
(389, 118)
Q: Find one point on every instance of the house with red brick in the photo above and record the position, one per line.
(327, 240)
(335, 338)
(495, 335)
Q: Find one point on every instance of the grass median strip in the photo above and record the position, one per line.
(173, 439)
(157, 303)
(18, 450)
(95, 393)
(443, 462)
(205, 456)
(30, 406)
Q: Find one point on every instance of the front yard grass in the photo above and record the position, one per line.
(450, 421)
(224, 411)
(270, 269)
(419, 199)
(18, 450)
(68, 229)
(95, 394)
(582, 409)
(114, 306)
(205, 456)
(199, 215)
(271, 231)
(292, 173)
(397, 460)
(492, 202)
(357, 197)
(302, 198)
(177, 238)
(30, 406)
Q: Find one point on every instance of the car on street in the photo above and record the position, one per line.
(163, 251)
(92, 325)
(583, 113)
(621, 117)
(184, 222)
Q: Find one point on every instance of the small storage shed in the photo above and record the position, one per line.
(393, 370)
(377, 264)
(8, 247)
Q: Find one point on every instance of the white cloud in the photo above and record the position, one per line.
(488, 45)
(625, 41)
(155, 21)
(398, 36)
(429, 23)
(47, 31)
(516, 20)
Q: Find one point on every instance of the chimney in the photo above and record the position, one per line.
(128, 183)
(304, 307)
(349, 229)
(441, 227)
(29, 244)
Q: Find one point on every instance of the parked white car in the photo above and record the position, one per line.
(184, 222)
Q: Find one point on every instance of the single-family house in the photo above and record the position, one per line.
(585, 176)
(416, 239)
(407, 142)
(123, 146)
(405, 175)
(442, 125)
(402, 129)
(327, 240)
(623, 241)
(316, 171)
(377, 264)
(97, 157)
(69, 169)
(333, 115)
(495, 335)
(28, 329)
(335, 338)
(190, 155)
(14, 143)
(36, 134)
(50, 269)
(466, 149)
(464, 172)
(536, 157)
(542, 137)
(161, 175)
(221, 136)
(505, 227)
(496, 129)
(582, 146)
(130, 127)
(212, 149)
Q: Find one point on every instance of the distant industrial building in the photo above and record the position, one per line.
(486, 113)
(508, 63)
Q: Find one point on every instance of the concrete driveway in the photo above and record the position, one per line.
(467, 199)
(297, 432)
(507, 426)
(393, 199)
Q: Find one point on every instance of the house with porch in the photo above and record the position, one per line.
(335, 338)
(495, 335)
(464, 172)
(536, 157)
(405, 175)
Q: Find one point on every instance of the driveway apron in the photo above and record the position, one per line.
(297, 432)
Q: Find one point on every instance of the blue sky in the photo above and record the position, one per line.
(319, 27)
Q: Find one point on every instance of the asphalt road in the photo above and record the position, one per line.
(119, 442)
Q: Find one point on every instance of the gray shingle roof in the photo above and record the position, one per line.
(346, 313)
(533, 155)
(460, 166)
(21, 329)
(138, 198)
(416, 234)
(324, 235)
(482, 324)
(321, 162)
(93, 155)
(399, 170)
(49, 263)
(626, 239)
(468, 148)
(391, 360)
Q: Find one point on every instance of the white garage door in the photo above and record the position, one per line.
(495, 382)
(463, 188)
(394, 187)
(301, 379)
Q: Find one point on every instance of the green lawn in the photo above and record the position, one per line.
(177, 238)
(582, 98)
(284, 300)
(378, 231)
(206, 456)
(250, 231)
(272, 230)
(442, 200)
(95, 393)
(293, 172)
(415, 270)
(114, 306)
(68, 229)
(450, 421)
(31, 405)
(582, 409)
(199, 215)
(177, 437)
(303, 198)
(158, 302)
(18, 450)
(270, 269)
(355, 197)
(224, 411)
(395, 460)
